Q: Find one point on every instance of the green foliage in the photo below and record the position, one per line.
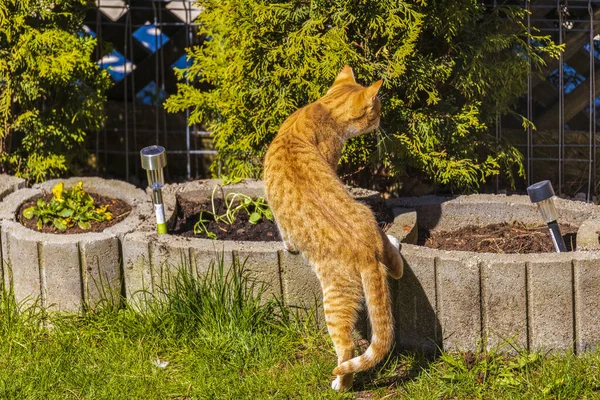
(257, 209)
(449, 68)
(51, 92)
(66, 209)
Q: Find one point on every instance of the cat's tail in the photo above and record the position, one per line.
(379, 306)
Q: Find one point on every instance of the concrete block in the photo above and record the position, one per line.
(101, 267)
(61, 275)
(208, 255)
(404, 227)
(504, 302)
(301, 287)
(137, 273)
(261, 261)
(169, 255)
(9, 184)
(11, 203)
(459, 303)
(588, 234)
(550, 303)
(417, 324)
(4, 282)
(22, 263)
(587, 303)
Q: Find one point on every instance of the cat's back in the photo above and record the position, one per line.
(310, 203)
(293, 160)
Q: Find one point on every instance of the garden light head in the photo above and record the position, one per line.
(154, 159)
(542, 194)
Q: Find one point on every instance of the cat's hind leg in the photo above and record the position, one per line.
(340, 315)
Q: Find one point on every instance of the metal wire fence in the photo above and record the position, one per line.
(563, 102)
(141, 41)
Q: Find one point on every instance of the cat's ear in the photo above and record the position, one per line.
(372, 90)
(345, 73)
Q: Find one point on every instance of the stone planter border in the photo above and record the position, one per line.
(9, 184)
(447, 299)
(456, 299)
(147, 256)
(66, 272)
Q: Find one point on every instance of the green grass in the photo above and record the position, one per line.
(217, 339)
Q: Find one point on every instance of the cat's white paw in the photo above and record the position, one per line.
(395, 242)
(336, 385)
(290, 247)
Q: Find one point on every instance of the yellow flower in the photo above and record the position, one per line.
(78, 188)
(57, 191)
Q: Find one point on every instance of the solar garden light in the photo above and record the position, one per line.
(542, 194)
(154, 159)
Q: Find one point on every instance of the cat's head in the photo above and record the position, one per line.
(354, 107)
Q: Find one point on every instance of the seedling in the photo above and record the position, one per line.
(68, 208)
(234, 203)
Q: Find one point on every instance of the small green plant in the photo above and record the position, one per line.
(67, 208)
(257, 209)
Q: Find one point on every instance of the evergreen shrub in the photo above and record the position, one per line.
(51, 92)
(449, 68)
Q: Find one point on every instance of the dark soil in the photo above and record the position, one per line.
(499, 238)
(119, 209)
(265, 231)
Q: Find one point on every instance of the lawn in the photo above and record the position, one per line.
(216, 339)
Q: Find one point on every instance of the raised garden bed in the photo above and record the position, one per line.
(69, 271)
(148, 257)
(450, 299)
(456, 299)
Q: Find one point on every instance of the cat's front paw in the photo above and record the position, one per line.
(394, 241)
(289, 247)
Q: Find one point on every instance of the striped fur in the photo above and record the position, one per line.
(351, 256)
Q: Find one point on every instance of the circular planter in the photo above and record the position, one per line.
(459, 299)
(148, 257)
(69, 271)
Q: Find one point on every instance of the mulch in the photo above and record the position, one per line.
(119, 209)
(512, 238)
(242, 230)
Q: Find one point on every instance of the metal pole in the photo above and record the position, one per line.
(133, 93)
(561, 101)
(98, 57)
(156, 74)
(161, 87)
(592, 105)
(529, 101)
(127, 23)
(188, 18)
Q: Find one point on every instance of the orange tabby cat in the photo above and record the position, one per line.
(350, 254)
